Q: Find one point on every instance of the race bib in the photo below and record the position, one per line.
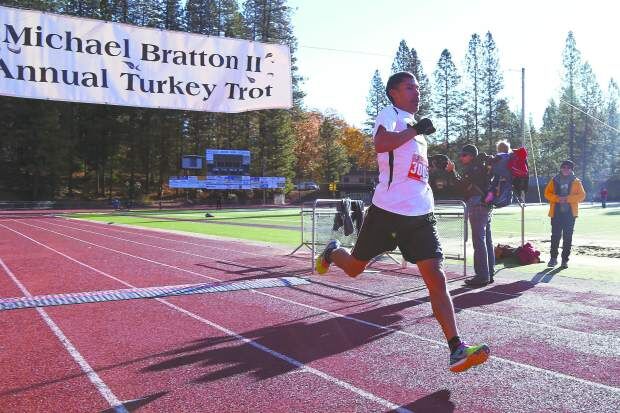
(419, 168)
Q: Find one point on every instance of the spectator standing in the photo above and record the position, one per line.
(475, 183)
(604, 197)
(564, 193)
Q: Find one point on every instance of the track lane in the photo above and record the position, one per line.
(35, 371)
(597, 353)
(100, 340)
(569, 311)
(407, 318)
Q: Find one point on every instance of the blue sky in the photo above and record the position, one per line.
(528, 34)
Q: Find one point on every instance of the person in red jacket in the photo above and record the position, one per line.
(604, 197)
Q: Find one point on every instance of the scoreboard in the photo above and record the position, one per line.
(227, 169)
(230, 182)
(228, 162)
(191, 162)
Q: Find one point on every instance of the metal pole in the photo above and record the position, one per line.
(465, 238)
(313, 234)
(523, 106)
(522, 223)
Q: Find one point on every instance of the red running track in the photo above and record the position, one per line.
(337, 345)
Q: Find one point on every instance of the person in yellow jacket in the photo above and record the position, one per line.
(564, 193)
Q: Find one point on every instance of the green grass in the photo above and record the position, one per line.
(593, 223)
(161, 220)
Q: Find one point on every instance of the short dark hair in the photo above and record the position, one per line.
(395, 80)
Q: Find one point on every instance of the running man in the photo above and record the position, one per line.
(401, 213)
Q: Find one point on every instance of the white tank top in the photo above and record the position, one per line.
(408, 192)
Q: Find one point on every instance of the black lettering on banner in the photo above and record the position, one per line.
(150, 49)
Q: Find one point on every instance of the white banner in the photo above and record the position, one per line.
(49, 56)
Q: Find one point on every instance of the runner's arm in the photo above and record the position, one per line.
(388, 141)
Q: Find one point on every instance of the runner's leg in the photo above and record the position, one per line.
(441, 302)
(349, 264)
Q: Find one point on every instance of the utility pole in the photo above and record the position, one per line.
(523, 105)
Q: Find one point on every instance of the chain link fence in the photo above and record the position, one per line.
(318, 217)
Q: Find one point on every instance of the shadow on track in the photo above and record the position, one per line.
(281, 271)
(226, 356)
(438, 402)
(492, 295)
(546, 275)
(132, 405)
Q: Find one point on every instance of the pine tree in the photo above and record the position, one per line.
(376, 101)
(507, 124)
(448, 97)
(42, 5)
(591, 136)
(571, 61)
(612, 138)
(407, 60)
(402, 60)
(214, 17)
(82, 8)
(492, 81)
(475, 75)
(552, 142)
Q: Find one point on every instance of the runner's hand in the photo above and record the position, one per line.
(424, 127)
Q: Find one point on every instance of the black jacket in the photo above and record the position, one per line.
(474, 180)
(349, 212)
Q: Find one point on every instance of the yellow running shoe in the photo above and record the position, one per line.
(323, 260)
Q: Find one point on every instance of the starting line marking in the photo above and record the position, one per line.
(150, 292)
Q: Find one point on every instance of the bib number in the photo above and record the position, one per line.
(418, 169)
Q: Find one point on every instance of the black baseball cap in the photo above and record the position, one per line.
(568, 163)
(469, 150)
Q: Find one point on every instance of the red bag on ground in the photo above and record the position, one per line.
(504, 251)
(527, 254)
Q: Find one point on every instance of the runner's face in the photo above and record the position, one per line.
(407, 95)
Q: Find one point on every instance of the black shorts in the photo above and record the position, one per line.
(383, 231)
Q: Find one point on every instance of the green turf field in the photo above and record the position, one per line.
(596, 242)
(280, 226)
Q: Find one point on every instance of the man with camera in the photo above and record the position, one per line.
(474, 184)
(401, 213)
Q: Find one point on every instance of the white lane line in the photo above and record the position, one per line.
(500, 317)
(324, 311)
(94, 378)
(142, 231)
(298, 364)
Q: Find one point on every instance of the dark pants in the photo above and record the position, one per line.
(562, 226)
(484, 256)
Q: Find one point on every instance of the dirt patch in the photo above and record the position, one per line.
(592, 250)
(597, 251)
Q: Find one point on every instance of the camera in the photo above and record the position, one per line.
(439, 162)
